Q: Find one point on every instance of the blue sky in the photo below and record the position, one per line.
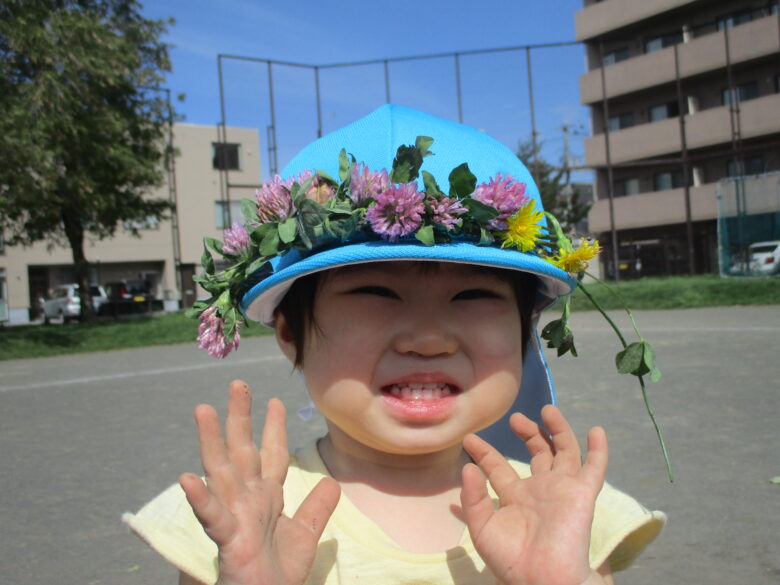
(494, 86)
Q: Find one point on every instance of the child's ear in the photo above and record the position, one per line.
(284, 337)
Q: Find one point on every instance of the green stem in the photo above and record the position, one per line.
(669, 472)
(645, 398)
(621, 301)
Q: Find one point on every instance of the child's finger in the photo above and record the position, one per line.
(494, 465)
(568, 457)
(595, 468)
(274, 456)
(536, 441)
(238, 431)
(216, 520)
(315, 511)
(475, 500)
(220, 473)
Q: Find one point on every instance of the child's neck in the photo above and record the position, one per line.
(398, 474)
(413, 499)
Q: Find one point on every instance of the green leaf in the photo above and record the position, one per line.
(634, 359)
(775, 480)
(479, 211)
(207, 261)
(270, 245)
(485, 237)
(344, 165)
(431, 187)
(326, 176)
(406, 164)
(462, 181)
(287, 230)
(214, 244)
(423, 143)
(312, 213)
(249, 210)
(425, 235)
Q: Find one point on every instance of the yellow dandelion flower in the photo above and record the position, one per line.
(522, 229)
(577, 260)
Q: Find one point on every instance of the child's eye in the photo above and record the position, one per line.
(379, 291)
(475, 293)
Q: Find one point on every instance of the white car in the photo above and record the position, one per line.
(64, 302)
(765, 258)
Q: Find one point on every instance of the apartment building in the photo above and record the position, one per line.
(167, 253)
(682, 94)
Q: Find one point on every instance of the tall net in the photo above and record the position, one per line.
(749, 225)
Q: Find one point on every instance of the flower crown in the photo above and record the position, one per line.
(313, 211)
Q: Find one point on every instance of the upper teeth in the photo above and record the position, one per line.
(420, 390)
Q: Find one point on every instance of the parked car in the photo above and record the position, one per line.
(765, 258)
(64, 302)
(130, 290)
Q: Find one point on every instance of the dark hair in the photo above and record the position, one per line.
(297, 306)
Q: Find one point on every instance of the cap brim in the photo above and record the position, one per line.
(259, 303)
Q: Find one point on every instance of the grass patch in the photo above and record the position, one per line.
(650, 293)
(30, 341)
(682, 292)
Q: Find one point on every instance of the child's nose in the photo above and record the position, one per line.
(426, 337)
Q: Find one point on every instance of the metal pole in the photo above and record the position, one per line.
(272, 161)
(534, 134)
(387, 82)
(173, 198)
(457, 87)
(685, 168)
(220, 148)
(319, 105)
(736, 147)
(610, 193)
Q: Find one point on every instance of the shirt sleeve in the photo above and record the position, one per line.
(169, 526)
(622, 529)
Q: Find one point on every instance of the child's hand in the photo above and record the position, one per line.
(240, 505)
(540, 533)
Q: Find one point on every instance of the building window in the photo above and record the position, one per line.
(226, 212)
(664, 111)
(615, 56)
(734, 19)
(667, 180)
(225, 156)
(753, 165)
(661, 42)
(774, 7)
(625, 187)
(625, 120)
(743, 92)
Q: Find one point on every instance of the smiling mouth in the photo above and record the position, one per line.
(420, 391)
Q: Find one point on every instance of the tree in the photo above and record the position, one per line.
(559, 196)
(82, 131)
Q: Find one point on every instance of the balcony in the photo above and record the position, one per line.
(758, 117)
(656, 208)
(609, 15)
(748, 41)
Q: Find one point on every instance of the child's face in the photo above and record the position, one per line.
(408, 359)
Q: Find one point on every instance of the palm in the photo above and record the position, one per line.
(240, 506)
(540, 532)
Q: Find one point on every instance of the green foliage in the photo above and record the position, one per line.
(559, 197)
(82, 137)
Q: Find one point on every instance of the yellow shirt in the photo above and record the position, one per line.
(353, 549)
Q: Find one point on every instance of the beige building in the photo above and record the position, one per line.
(683, 93)
(204, 206)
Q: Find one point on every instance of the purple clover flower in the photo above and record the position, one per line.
(273, 201)
(445, 210)
(236, 239)
(211, 334)
(396, 212)
(365, 184)
(505, 194)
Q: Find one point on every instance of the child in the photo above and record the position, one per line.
(411, 314)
